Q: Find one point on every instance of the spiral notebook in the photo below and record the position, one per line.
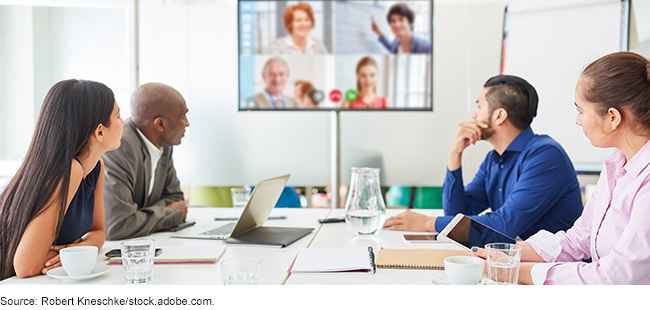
(416, 258)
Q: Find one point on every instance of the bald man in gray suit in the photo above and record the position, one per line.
(141, 190)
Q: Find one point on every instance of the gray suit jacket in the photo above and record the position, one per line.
(130, 212)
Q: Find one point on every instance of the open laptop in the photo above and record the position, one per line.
(248, 228)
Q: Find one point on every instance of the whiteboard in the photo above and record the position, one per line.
(549, 44)
(354, 28)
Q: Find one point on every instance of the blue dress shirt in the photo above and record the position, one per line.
(531, 186)
(418, 45)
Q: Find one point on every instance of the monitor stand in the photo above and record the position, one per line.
(335, 157)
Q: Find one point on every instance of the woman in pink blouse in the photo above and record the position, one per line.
(613, 102)
(367, 80)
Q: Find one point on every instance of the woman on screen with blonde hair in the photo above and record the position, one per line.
(367, 79)
(299, 22)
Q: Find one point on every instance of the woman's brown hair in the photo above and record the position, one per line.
(622, 81)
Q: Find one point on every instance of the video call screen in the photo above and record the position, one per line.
(335, 55)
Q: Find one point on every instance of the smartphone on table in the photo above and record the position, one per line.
(421, 238)
(118, 253)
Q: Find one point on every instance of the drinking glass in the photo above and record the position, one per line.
(137, 259)
(503, 263)
(240, 196)
(365, 210)
(241, 271)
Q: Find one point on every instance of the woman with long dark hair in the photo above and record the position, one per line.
(55, 199)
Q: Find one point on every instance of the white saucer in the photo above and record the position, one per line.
(443, 280)
(59, 273)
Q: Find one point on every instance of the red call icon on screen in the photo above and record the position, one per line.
(336, 95)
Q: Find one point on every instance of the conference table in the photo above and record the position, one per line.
(275, 261)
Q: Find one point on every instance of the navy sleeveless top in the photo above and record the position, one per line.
(79, 216)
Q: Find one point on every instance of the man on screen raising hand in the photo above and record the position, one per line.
(528, 181)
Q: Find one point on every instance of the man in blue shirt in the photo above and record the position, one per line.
(527, 181)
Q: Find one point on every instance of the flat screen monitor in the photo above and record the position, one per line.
(335, 55)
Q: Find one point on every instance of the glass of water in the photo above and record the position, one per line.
(137, 259)
(503, 263)
(241, 271)
(240, 196)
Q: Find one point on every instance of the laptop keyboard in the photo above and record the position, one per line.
(220, 231)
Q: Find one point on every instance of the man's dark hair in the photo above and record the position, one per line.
(514, 95)
(401, 9)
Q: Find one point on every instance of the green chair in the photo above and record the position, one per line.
(423, 197)
(219, 197)
(212, 196)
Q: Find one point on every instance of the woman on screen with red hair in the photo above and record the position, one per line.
(303, 92)
(367, 79)
(299, 21)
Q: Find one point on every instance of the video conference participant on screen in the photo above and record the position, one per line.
(528, 181)
(401, 19)
(299, 21)
(304, 91)
(367, 79)
(275, 75)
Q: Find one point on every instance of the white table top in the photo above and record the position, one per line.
(275, 261)
(337, 235)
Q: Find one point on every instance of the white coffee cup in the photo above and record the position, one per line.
(464, 270)
(78, 260)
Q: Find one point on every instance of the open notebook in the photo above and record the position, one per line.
(334, 260)
(185, 255)
(416, 258)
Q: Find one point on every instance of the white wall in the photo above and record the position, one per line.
(16, 81)
(40, 46)
(641, 27)
(89, 43)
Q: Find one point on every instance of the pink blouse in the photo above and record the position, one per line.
(613, 230)
(377, 102)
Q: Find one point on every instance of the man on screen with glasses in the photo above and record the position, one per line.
(275, 75)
